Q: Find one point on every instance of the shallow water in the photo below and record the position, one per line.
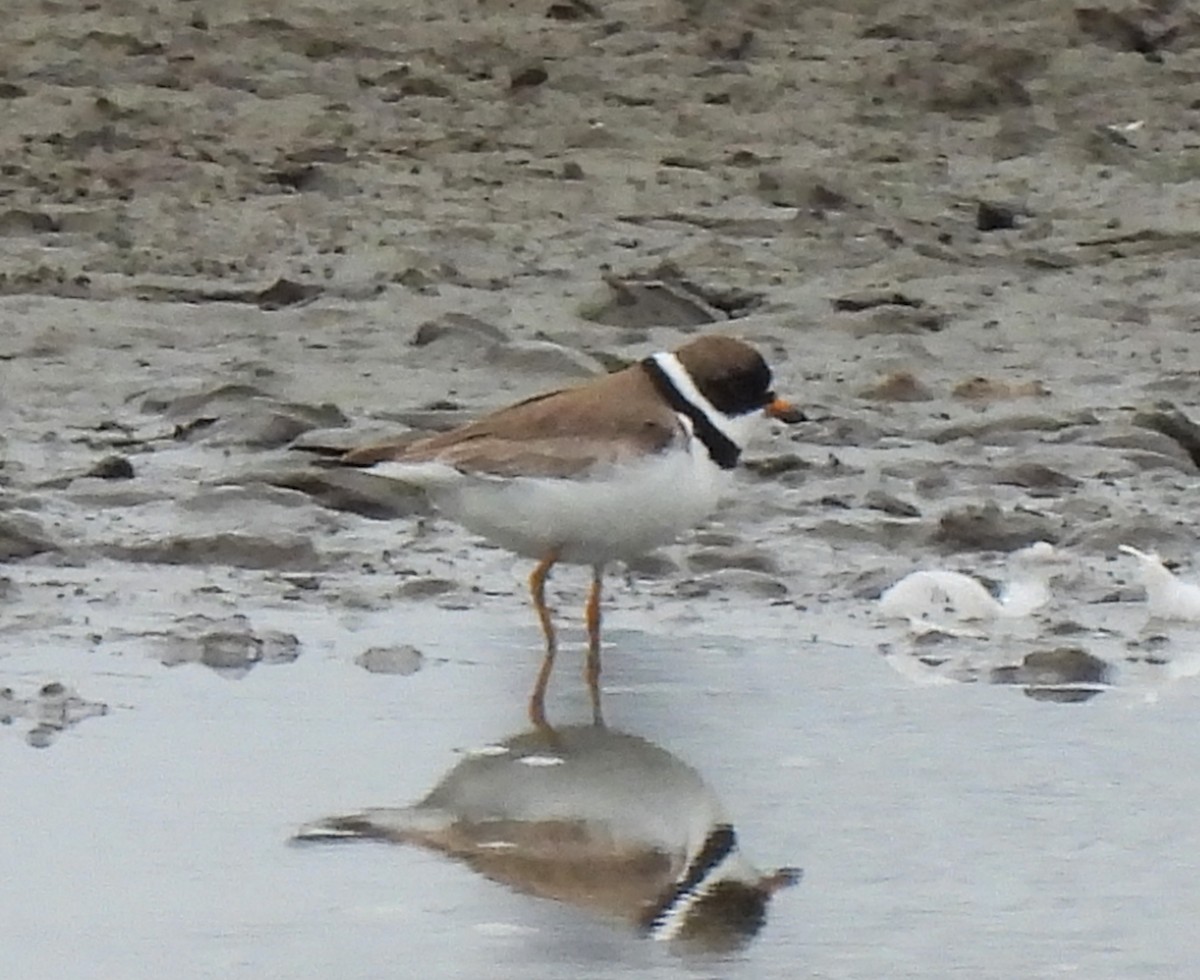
(945, 830)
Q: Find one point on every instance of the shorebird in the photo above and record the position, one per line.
(605, 470)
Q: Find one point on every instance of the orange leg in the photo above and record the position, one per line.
(537, 589)
(592, 667)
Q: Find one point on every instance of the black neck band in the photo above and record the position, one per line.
(720, 842)
(721, 449)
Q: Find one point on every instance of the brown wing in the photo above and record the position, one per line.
(561, 433)
(561, 860)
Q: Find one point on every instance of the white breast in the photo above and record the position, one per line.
(620, 512)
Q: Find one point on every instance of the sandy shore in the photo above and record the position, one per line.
(965, 240)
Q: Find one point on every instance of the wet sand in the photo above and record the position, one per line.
(963, 237)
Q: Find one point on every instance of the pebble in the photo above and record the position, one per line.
(402, 660)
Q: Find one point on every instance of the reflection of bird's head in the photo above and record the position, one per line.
(719, 902)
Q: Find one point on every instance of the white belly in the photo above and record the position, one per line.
(620, 513)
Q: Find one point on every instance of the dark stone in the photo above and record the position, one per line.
(1035, 476)
(854, 302)
(987, 528)
(530, 76)
(298, 178)
(1061, 665)
(284, 292)
(772, 466)
(112, 468)
(889, 504)
(994, 217)
(573, 10)
(426, 588)
(1173, 424)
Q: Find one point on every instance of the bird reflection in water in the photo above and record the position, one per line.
(599, 819)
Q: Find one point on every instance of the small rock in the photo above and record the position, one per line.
(530, 76)
(713, 559)
(652, 565)
(296, 177)
(1061, 695)
(21, 222)
(769, 467)
(715, 538)
(901, 386)
(1062, 665)
(457, 325)
(684, 162)
(402, 660)
(210, 403)
(888, 320)
(261, 430)
(869, 299)
(425, 588)
(425, 86)
(636, 305)
(796, 188)
(980, 389)
(283, 293)
(990, 216)
(1173, 424)
(987, 528)
(1000, 430)
(573, 10)
(889, 504)
(664, 296)
(1143, 441)
(1035, 476)
(22, 537)
(112, 468)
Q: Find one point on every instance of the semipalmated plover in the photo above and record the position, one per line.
(587, 475)
(599, 819)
